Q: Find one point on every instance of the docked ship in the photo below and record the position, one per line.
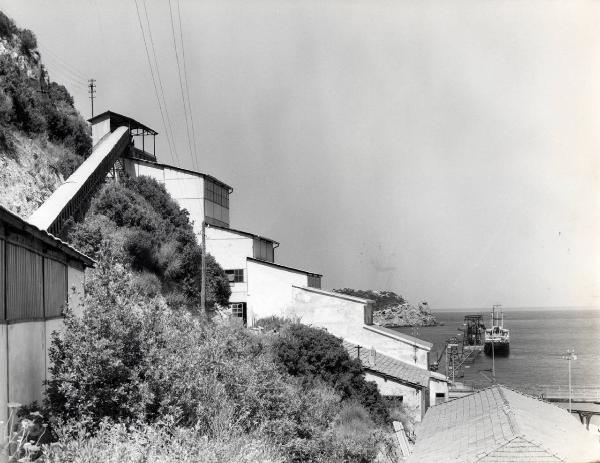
(497, 338)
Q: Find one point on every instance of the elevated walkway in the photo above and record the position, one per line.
(72, 195)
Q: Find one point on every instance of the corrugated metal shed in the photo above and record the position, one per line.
(499, 425)
(13, 220)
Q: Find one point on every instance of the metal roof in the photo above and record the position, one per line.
(181, 169)
(389, 366)
(119, 120)
(399, 336)
(500, 425)
(17, 222)
(273, 264)
(241, 232)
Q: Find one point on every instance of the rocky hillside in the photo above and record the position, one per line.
(392, 310)
(43, 138)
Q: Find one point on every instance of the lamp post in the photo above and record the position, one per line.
(569, 356)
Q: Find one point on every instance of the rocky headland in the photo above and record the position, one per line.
(392, 310)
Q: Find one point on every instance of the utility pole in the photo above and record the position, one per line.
(92, 92)
(569, 356)
(203, 289)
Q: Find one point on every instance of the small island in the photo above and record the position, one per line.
(393, 311)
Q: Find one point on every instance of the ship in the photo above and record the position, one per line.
(497, 338)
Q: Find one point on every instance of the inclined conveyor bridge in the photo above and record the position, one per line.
(71, 197)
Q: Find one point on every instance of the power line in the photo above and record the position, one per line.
(187, 88)
(64, 71)
(187, 125)
(159, 78)
(69, 67)
(153, 80)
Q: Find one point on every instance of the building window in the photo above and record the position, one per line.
(235, 276)
(314, 281)
(238, 311)
(263, 250)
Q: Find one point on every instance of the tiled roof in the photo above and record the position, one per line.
(499, 425)
(389, 366)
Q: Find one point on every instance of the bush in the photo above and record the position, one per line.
(311, 353)
(28, 41)
(130, 358)
(158, 238)
(161, 444)
(7, 26)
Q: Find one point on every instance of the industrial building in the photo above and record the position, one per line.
(38, 273)
(261, 287)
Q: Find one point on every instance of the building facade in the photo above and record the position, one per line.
(261, 287)
(38, 274)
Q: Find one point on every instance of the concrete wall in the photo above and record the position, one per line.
(99, 129)
(228, 248)
(186, 188)
(344, 316)
(24, 348)
(411, 397)
(270, 289)
(435, 387)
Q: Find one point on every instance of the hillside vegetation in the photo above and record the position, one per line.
(139, 373)
(43, 138)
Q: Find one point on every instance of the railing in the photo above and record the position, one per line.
(560, 392)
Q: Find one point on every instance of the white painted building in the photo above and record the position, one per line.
(413, 387)
(261, 287)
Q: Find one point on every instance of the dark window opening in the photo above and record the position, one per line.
(314, 281)
(263, 250)
(235, 276)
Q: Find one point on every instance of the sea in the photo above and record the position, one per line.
(538, 340)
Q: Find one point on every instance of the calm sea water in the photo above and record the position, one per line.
(538, 338)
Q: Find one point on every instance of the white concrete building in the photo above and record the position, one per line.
(398, 363)
(413, 387)
(261, 287)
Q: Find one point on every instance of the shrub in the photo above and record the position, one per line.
(160, 444)
(65, 161)
(158, 238)
(59, 94)
(7, 26)
(129, 357)
(311, 353)
(28, 41)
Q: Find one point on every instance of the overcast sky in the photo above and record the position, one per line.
(444, 150)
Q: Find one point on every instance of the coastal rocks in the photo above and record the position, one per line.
(392, 310)
(404, 315)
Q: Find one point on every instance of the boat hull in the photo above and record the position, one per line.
(500, 348)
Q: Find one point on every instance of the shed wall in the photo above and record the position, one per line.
(24, 284)
(411, 397)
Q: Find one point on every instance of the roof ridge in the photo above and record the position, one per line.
(512, 420)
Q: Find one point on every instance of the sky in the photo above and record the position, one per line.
(445, 150)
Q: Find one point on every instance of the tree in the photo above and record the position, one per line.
(313, 354)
